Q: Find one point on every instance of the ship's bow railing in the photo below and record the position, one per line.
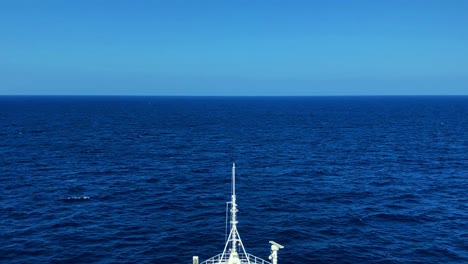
(244, 258)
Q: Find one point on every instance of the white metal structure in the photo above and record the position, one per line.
(234, 251)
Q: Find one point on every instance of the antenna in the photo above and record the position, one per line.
(234, 239)
(233, 179)
(234, 210)
(234, 243)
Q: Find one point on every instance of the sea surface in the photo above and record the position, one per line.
(146, 179)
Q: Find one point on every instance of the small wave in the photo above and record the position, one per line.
(356, 220)
(382, 183)
(37, 131)
(395, 206)
(407, 198)
(77, 198)
(397, 218)
(438, 252)
(200, 171)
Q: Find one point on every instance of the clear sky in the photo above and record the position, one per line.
(234, 47)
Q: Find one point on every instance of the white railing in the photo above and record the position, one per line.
(245, 259)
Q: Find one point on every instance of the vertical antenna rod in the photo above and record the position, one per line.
(234, 241)
(234, 210)
(234, 179)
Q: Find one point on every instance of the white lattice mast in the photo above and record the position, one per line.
(234, 237)
(234, 210)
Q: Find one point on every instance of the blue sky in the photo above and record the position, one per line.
(234, 47)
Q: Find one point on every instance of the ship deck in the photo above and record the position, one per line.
(244, 259)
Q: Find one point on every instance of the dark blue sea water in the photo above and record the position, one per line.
(333, 179)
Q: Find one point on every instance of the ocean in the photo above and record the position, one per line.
(146, 179)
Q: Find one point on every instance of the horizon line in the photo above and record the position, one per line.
(154, 95)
